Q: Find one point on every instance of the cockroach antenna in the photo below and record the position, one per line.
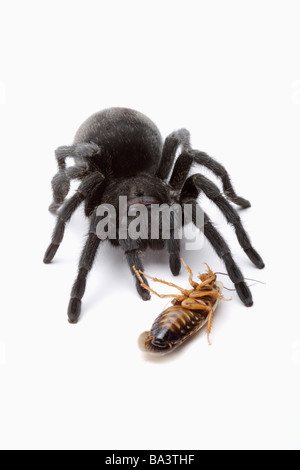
(255, 281)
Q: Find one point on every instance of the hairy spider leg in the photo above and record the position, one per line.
(132, 249)
(133, 258)
(223, 251)
(181, 170)
(177, 139)
(201, 183)
(91, 183)
(173, 246)
(61, 180)
(61, 185)
(181, 138)
(85, 265)
(219, 170)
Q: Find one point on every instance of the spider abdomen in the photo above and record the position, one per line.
(128, 140)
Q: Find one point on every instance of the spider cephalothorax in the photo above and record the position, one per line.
(120, 152)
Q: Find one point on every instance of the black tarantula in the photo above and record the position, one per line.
(120, 152)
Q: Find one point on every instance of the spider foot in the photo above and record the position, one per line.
(175, 264)
(74, 310)
(50, 253)
(53, 208)
(255, 258)
(244, 293)
(240, 201)
(144, 293)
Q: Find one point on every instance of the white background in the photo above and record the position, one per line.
(230, 73)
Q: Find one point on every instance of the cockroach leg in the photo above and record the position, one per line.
(206, 282)
(210, 272)
(193, 283)
(197, 294)
(191, 305)
(138, 275)
(161, 296)
(209, 325)
(184, 291)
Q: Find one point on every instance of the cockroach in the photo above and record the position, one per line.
(188, 312)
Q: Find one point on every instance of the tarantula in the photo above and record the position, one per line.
(120, 152)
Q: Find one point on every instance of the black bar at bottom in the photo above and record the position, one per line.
(139, 459)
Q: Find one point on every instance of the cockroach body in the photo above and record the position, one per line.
(174, 326)
(187, 314)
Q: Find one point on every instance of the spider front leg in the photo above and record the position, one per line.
(173, 246)
(61, 181)
(201, 183)
(181, 138)
(173, 142)
(90, 184)
(133, 253)
(61, 185)
(224, 252)
(219, 170)
(85, 265)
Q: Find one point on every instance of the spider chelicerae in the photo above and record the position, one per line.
(120, 152)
